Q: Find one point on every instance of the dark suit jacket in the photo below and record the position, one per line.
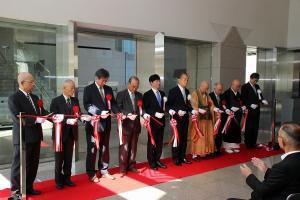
(176, 101)
(280, 181)
(151, 106)
(32, 132)
(92, 97)
(125, 105)
(215, 101)
(231, 100)
(249, 96)
(59, 106)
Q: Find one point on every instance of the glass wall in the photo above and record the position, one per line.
(27, 47)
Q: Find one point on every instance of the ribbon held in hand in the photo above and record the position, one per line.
(217, 125)
(175, 136)
(120, 131)
(147, 125)
(95, 122)
(245, 121)
(40, 104)
(195, 122)
(57, 140)
(140, 105)
(228, 121)
(108, 98)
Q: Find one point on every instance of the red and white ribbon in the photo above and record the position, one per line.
(217, 125)
(175, 136)
(120, 131)
(245, 121)
(164, 106)
(95, 121)
(147, 125)
(140, 105)
(57, 140)
(108, 99)
(195, 122)
(227, 123)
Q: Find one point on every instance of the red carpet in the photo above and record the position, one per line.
(86, 190)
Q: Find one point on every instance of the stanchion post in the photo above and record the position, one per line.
(22, 161)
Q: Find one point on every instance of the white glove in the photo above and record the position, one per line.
(244, 108)
(181, 113)
(194, 112)
(131, 116)
(254, 106)
(202, 111)
(258, 91)
(172, 112)
(227, 111)
(71, 121)
(189, 97)
(217, 110)
(86, 118)
(104, 114)
(40, 120)
(234, 109)
(265, 102)
(146, 116)
(159, 115)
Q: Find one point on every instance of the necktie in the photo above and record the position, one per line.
(218, 99)
(69, 103)
(183, 94)
(102, 93)
(31, 102)
(132, 97)
(253, 87)
(158, 97)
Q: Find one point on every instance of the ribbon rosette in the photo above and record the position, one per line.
(140, 105)
(108, 98)
(76, 111)
(57, 144)
(175, 136)
(120, 131)
(95, 122)
(195, 122)
(40, 104)
(147, 125)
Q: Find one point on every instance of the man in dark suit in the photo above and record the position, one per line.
(153, 101)
(233, 105)
(178, 102)
(95, 102)
(63, 104)
(27, 103)
(283, 178)
(252, 97)
(131, 126)
(216, 97)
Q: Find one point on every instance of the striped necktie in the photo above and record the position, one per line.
(31, 102)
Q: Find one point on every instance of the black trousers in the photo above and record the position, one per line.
(63, 161)
(92, 150)
(32, 163)
(178, 153)
(127, 151)
(251, 129)
(154, 152)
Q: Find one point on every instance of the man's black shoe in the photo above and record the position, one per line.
(33, 192)
(68, 182)
(161, 165)
(185, 161)
(59, 186)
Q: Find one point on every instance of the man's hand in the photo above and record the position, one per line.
(181, 113)
(146, 116)
(172, 112)
(202, 111)
(245, 170)
(234, 109)
(253, 106)
(265, 102)
(131, 116)
(71, 121)
(40, 120)
(259, 164)
(159, 115)
(104, 114)
(86, 118)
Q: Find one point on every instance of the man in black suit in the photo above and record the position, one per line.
(283, 178)
(252, 97)
(179, 107)
(153, 101)
(131, 126)
(216, 97)
(96, 103)
(63, 104)
(27, 103)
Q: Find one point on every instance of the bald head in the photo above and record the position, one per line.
(26, 81)
(218, 88)
(236, 85)
(68, 88)
(204, 86)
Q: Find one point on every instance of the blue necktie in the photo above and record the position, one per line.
(158, 97)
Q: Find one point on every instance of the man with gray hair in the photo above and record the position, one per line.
(127, 101)
(64, 104)
(283, 178)
(24, 101)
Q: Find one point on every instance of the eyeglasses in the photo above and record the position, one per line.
(31, 82)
